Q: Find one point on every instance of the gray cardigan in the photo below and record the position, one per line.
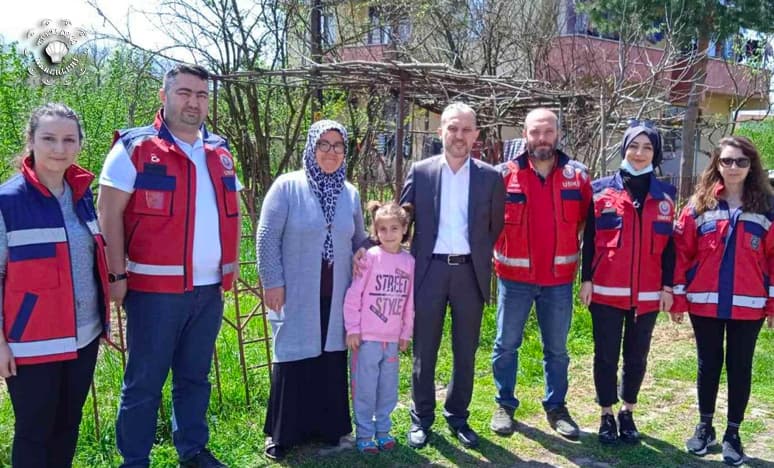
(290, 239)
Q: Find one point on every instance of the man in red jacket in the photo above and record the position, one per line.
(169, 207)
(536, 258)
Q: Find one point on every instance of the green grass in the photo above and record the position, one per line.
(666, 412)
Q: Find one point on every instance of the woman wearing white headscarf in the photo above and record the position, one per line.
(311, 223)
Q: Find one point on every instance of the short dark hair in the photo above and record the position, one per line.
(184, 68)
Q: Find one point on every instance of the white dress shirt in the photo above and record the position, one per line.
(453, 217)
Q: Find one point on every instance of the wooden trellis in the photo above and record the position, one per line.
(498, 100)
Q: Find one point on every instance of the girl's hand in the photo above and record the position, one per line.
(404, 344)
(770, 321)
(353, 341)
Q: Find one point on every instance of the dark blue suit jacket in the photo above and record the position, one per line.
(486, 201)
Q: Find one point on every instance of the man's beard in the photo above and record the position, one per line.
(542, 153)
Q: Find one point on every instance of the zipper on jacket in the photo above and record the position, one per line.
(187, 216)
(636, 239)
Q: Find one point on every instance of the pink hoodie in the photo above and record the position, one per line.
(379, 304)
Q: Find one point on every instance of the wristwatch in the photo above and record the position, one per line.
(112, 278)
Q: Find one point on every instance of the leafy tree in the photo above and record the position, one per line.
(16, 101)
(117, 90)
(762, 134)
(691, 24)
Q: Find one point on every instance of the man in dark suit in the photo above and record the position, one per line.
(458, 204)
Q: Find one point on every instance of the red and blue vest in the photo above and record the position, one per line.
(626, 269)
(159, 218)
(572, 192)
(722, 273)
(39, 301)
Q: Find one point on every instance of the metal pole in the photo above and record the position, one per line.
(602, 136)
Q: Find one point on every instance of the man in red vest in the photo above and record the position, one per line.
(169, 208)
(536, 257)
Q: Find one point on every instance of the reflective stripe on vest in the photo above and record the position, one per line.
(154, 270)
(623, 292)
(679, 289)
(509, 261)
(608, 291)
(771, 291)
(44, 347)
(565, 260)
(36, 236)
(229, 268)
(711, 216)
(649, 296)
(738, 300)
(756, 218)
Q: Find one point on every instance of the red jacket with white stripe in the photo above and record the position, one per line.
(159, 218)
(626, 269)
(721, 277)
(572, 194)
(39, 300)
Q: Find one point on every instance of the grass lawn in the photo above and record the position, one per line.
(666, 414)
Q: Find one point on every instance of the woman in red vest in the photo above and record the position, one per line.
(725, 262)
(628, 261)
(54, 290)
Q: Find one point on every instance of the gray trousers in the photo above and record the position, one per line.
(374, 374)
(456, 286)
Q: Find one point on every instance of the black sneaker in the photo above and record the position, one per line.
(627, 428)
(203, 459)
(703, 437)
(560, 420)
(733, 453)
(608, 432)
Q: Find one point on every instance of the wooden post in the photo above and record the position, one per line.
(399, 139)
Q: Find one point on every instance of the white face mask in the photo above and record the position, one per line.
(626, 166)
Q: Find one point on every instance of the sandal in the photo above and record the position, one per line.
(385, 443)
(367, 446)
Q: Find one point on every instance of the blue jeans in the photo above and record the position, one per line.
(164, 331)
(554, 313)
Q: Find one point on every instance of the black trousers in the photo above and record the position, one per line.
(610, 324)
(740, 339)
(455, 285)
(47, 405)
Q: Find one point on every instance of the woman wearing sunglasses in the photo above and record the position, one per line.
(628, 260)
(725, 257)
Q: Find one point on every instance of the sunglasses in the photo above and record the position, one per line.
(741, 163)
(641, 123)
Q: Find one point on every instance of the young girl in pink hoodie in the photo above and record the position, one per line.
(379, 319)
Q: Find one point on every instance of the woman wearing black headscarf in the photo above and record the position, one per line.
(627, 268)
